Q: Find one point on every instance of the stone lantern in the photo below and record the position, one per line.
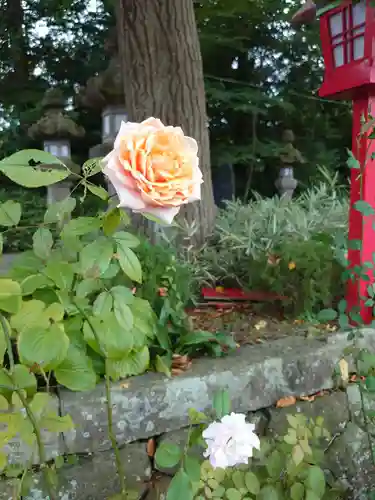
(56, 130)
(289, 158)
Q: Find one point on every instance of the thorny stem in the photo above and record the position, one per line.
(111, 433)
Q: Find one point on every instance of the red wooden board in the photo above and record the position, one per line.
(236, 294)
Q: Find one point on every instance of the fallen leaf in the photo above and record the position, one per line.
(344, 370)
(307, 398)
(124, 385)
(260, 325)
(285, 402)
(151, 447)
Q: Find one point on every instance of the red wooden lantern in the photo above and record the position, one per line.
(347, 31)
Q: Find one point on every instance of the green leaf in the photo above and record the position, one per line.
(135, 363)
(103, 304)
(168, 455)
(10, 213)
(81, 226)
(197, 337)
(61, 274)
(192, 468)
(92, 167)
(370, 383)
(275, 464)
(54, 423)
(268, 493)
(9, 288)
(122, 298)
(352, 161)
(18, 169)
(129, 263)
(111, 221)
(59, 211)
(24, 380)
(252, 483)
(47, 348)
(311, 495)
(76, 371)
(297, 454)
(30, 315)
(98, 191)
(327, 315)
(364, 208)
(10, 295)
(1, 243)
(42, 243)
(87, 287)
(126, 240)
(232, 494)
(238, 478)
(114, 340)
(96, 257)
(163, 365)
(34, 282)
(221, 404)
(180, 484)
(297, 491)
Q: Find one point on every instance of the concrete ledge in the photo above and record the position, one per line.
(256, 377)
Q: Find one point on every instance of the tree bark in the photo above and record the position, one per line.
(163, 77)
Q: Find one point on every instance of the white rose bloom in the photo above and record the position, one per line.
(231, 441)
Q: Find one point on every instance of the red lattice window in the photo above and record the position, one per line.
(347, 29)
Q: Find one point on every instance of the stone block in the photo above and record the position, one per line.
(92, 478)
(255, 376)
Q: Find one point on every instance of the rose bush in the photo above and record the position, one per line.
(154, 169)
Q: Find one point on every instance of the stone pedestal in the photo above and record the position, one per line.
(286, 183)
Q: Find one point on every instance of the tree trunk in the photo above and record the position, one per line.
(163, 77)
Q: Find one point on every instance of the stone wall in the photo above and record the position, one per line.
(153, 405)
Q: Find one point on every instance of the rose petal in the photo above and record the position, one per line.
(126, 129)
(164, 214)
(153, 122)
(128, 197)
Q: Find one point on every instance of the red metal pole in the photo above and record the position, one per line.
(362, 188)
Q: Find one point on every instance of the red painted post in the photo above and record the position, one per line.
(362, 188)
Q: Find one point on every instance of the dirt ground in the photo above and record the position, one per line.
(254, 324)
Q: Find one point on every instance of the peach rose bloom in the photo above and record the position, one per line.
(154, 169)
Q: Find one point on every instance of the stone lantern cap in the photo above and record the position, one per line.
(55, 124)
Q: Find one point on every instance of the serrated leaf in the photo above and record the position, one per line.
(114, 340)
(54, 423)
(61, 274)
(34, 282)
(111, 221)
(18, 169)
(103, 304)
(252, 483)
(46, 348)
(180, 483)
(297, 454)
(96, 257)
(10, 213)
(98, 191)
(129, 263)
(297, 492)
(60, 210)
(76, 371)
(88, 286)
(30, 315)
(42, 243)
(122, 298)
(327, 315)
(127, 240)
(136, 363)
(24, 380)
(92, 167)
(81, 226)
(168, 455)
